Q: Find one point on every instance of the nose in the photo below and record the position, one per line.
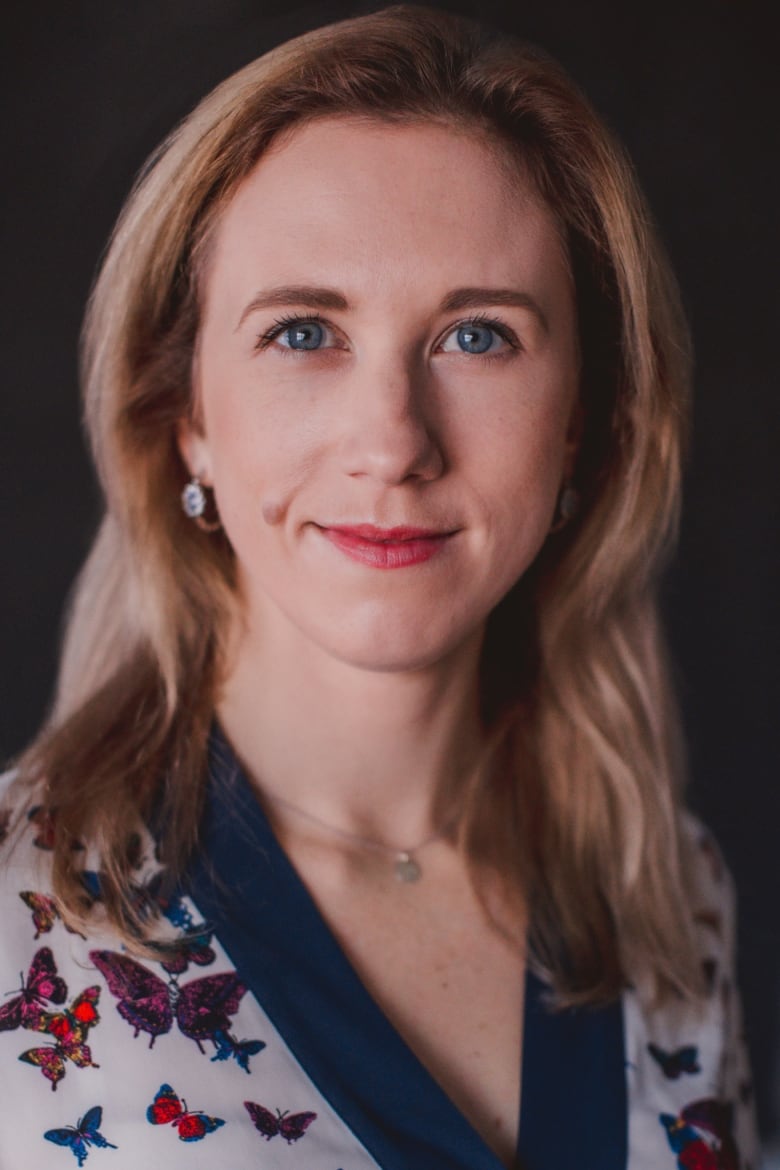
(389, 432)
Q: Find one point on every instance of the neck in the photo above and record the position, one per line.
(379, 754)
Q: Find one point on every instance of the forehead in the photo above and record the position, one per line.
(371, 201)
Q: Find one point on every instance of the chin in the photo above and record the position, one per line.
(393, 645)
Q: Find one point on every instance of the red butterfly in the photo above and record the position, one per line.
(43, 820)
(291, 1126)
(43, 983)
(694, 1152)
(168, 1109)
(69, 1031)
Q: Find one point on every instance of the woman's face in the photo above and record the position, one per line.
(386, 388)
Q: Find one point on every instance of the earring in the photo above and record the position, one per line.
(194, 503)
(567, 507)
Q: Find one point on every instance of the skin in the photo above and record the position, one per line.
(372, 717)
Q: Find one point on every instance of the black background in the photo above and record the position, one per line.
(90, 87)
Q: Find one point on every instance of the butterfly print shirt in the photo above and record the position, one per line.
(255, 1045)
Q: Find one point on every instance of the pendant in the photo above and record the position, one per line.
(406, 868)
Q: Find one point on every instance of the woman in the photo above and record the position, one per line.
(363, 707)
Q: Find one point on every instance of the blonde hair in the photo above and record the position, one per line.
(579, 806)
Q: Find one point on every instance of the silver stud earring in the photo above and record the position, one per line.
(194, 504)
(567, 507)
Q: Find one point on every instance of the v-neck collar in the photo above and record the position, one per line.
(573, 1109)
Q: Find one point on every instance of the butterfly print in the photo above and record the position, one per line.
(240, 1050)
(184, 951)
(674, 1064)
(149, 900)
(90, 880)
(85, 1133)
(701, 1136)
(44, 823)
(43, 983)
(194, 946)
(693, 1152)
(146, 896)
(168, 1109)
(68, 1029)
(291, 1126)
(201, 1008)
(44, 911)
(71, 1026)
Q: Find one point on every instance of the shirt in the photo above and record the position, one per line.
(255, 1043)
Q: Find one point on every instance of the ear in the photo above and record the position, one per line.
(194, 449)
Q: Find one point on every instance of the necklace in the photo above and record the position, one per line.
(406, 867)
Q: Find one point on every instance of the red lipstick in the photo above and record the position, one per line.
(387, 548)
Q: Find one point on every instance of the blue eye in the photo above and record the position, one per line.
(478, 338)
(302, 335)
(475, 338)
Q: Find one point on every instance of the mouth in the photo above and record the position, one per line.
(387, 548)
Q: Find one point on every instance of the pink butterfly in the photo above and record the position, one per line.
(201, 1008)
(43, 983)
(44, 912)
(291, 1126)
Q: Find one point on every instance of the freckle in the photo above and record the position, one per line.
(272, 512)
(444, 984)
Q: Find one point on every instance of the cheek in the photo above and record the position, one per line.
(260, 453)
(521, 460)
(522, 467)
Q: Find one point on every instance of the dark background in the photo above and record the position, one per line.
(90, 87)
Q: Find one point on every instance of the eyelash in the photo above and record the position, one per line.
(482, 319)
(283, 323)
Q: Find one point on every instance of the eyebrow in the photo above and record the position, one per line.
(313, 297)
(319, 297)
(473, 298)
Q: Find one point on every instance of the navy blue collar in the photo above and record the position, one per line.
(573, 1097)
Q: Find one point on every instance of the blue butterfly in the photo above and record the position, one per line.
(241, 1050)
(78, 1137)
(674, 1064)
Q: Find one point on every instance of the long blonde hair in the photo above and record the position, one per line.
(580, 805)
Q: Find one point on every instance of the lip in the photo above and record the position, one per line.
(387, 548)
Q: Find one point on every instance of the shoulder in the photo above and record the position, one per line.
(27, 909)
(709, 888)
(687, 1071)
(25, 831)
